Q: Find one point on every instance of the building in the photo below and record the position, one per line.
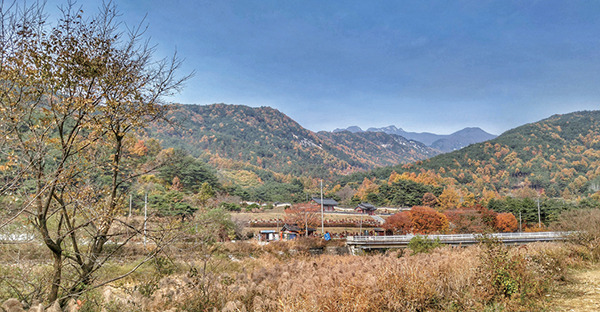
(365, 208)
(328, 203)
(292, 231)
(268, 235)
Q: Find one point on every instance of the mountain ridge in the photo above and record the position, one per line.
(263, 138)
(441, 142)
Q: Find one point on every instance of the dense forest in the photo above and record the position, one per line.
(262, 155)
(557, 157)
(263, 138)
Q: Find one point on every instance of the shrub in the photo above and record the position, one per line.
(419, 244)
(230, 206)
(585, 224)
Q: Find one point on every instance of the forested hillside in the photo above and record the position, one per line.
(266, 139)
(558, 156)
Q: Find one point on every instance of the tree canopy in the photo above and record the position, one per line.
(72, 95)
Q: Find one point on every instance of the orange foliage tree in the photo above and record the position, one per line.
(139, 149)
(399, 223)
(367, 187)
(474, 219)
(394, 177)
(426, 220)
(506, 222)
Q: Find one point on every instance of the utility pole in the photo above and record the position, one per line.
(322, 222)
(306, 223)
(520, 228)
(539, 215)
(145, 215)
(130, 204)
(360, 231)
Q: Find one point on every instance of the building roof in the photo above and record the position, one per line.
(294, 228)
(326, 201)
(366, 206)
(290, 227)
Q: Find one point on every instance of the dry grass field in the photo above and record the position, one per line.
(284, 276)
(581, 294)
(194, 275)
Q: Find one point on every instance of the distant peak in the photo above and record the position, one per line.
(473, 131)
(391, 129)
(353, 129)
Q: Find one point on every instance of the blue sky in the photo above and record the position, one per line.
(436, 66)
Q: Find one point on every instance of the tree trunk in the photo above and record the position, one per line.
(56, 278)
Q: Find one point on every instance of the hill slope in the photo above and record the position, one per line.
(559, 155)
(267, 139)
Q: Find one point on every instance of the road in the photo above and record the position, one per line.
(582, 294)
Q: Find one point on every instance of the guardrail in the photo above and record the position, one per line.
(373, 242)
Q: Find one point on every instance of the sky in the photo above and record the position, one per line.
(435, 66)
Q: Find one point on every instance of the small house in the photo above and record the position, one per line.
(365, 208)
(328, 203)
(268, 235)
(292, 231)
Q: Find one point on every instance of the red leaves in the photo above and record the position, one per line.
(426, 220)
(399, 223)
(419, 220)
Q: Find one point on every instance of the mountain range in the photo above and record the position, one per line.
(442, 142)
(262, 139)
(558, 156)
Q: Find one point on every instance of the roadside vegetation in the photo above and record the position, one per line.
(202, 270)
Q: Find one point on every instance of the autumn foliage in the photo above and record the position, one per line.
(419, 220)
(506, 222)
(426, 220)
(463, 221)
(399, 223)
(304, 215)
(430, 200)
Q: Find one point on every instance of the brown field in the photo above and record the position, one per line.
(282, 276)
(194, 275)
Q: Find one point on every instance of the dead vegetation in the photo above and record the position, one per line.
(195, 274)
(285, 277)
